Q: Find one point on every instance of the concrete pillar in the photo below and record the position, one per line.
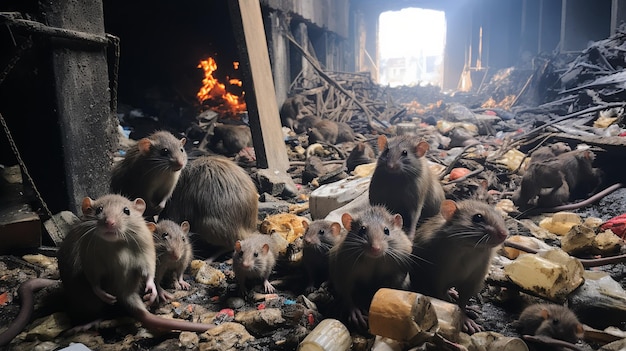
(457, 38)
(88, 129)
(618, 14)
(531, 11)
(584, 21)
(279, 55)
(550, 25)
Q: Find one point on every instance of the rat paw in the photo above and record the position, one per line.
(269, 288)
(151, 291)
(357, 318)
(470, 326)
(180, 284)
(104, 296)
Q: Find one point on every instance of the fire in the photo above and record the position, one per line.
(215, 92)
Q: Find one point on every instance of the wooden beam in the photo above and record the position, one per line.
(267, 136)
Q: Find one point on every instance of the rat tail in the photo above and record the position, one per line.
(152, 322)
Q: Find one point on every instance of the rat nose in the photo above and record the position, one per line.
(110, 223)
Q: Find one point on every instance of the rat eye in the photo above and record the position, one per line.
(126, 211)
(321, 232)
(240, 253)
(165, 151)
(362, 230)
(99, 210)
(386, 231)
(182, 150)
(478, 218)
(405, 153)
(164, 235)
(256, 254)
(555, 321)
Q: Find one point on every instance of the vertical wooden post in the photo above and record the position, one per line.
(267, 136)
(87, 127)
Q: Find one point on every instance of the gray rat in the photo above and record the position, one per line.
(173, 254)
(106, 258)
(403, 182)
(362, 153)
(375, 253)
(454, 249)
(255, 258)
(555, 321)
(218, 198)
(150, 170)
(319, 237)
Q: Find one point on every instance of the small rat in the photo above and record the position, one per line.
(218, 198)
(374, 253)
(454, 249)
(254, 258)
(174, 253)
(362, 153)
(319, 237)
(229, 139)
(106, 258)
(555, 321)
(403, 182)
(150, 170)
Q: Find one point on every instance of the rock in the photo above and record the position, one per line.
(235, 302)
(59, 225)
(189, 340)
(618, 345)
(313, 168)
(560, 223)
(329, 197)
(579, 239)
(600, 302)
(272, 208)
(205, 274)
(75, 347)
(226, 336)
(492, 341)
(276, 183)
(260, 322)
(607, 242)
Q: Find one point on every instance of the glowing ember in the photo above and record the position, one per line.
(214, 94)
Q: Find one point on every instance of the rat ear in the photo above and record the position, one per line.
(335, 228)
(397, 220)
(185, 227)
(305, 225)
(87, 205)
(544, 313)
(580, 331)
(144, 145)
(382, 143)
(421, 148)
(183, 141)
(484, 184)
(238, 246)
(151, 226)
(346, 220)
(139, 205)
(448, 208)
(360, 147)
(266, 248)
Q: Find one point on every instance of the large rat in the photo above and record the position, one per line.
(551, 320)
(403, 182)
(173, 254)
(106, 258)
(319, 237)
(218, 198)
(150, 170)
(454, 249)
(255, 258)
(375, 253)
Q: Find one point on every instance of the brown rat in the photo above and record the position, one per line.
(403, 182)
(551, 320)
(150, 170)
(229, 139)
(375, 253)
(549, 151)
(218, 198)
(303, 124)
(323, 131)
(454, 249)
(319, 237)
(106, 258)
(344, 132)
(362, 153)
(173, 253)
(255, 258)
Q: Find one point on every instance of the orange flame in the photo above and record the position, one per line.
(214, 91)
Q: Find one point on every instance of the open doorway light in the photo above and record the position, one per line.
(411, 46)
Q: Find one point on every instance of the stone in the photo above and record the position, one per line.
(60, 224)
(260, 322)
(267, 209)
(276, 183)
(561, 222)
(205, 274)
(189, 340)
(226, 336)
(578, 239)
(607, 242)
(329, 197)
(600, 295)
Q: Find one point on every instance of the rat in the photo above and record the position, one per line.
(454, 249)
(323, 131)
(255, 258)
(319, 237)
(403, 182)
(150, 170)
(375, 253)
(362, 153)
(218, 199)
(106, 258)
(344, 132)
(552, 320)
(229, 139)
(549, 151)
(173, 254)
(304, 123)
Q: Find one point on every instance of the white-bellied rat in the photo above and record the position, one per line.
(218, 199)
(319, 237)
(403, 182)
(255, 258)
(150, 170)
(105, 260)
(454, 249)
(173, 254)
(375, 253)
